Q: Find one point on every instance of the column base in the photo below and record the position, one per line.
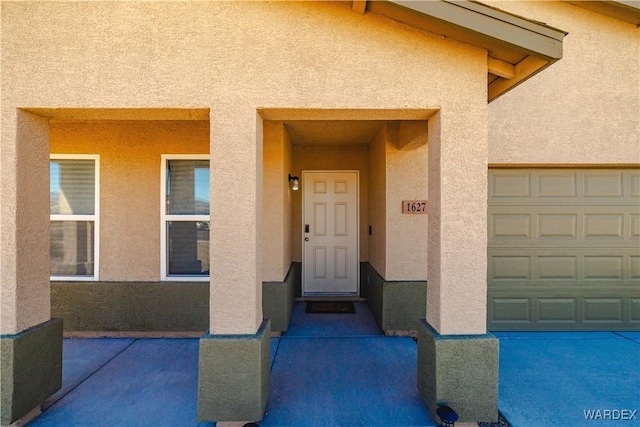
(234, 372)
(460, 371)
(278, 299)
(31, 369)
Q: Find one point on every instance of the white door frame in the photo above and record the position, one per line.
(357, 234)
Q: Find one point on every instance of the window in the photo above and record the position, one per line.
(185, 217)
(73, 208)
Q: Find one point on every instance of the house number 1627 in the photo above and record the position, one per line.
(415, 207)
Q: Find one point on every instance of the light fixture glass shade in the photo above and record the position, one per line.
(295, 185)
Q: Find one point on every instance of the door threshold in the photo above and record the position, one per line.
(331, 298)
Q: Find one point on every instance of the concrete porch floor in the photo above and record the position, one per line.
(339, 370)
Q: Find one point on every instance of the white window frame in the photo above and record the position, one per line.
(165, 218)
(95, 218)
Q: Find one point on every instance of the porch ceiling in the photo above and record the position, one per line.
(517, 47)
(351, 126)
(332, 132)
(112, 114)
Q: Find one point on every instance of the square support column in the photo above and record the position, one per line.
(457, 359)
(31, 369)
(233, 367)
(234, 375)
(31, 342)
(460, 371)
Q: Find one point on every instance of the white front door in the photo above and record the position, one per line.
(330, 233)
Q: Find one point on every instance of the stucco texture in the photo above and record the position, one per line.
(130, 164)
(584, 109)
(24, 226)
(277, 196)
(398, 242)
(234, 58)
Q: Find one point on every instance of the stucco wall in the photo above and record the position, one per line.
(130, 185)
(24, 230)
(276, 218)
(233, 58)
(406, 234)
(378, 202)
(584, 109)
(398, 243)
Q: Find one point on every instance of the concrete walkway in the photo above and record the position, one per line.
(338, 370)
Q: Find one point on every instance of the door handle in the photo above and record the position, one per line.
(306, 239)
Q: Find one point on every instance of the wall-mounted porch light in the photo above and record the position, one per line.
(295, 180)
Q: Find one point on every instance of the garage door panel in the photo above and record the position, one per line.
(634, 268)
(603, 225)
(558, 187)
(634, 310)
(564, 252)
(549, 266)
(511, 310)
(599, 310)
(634, 226)
(603, 268)
(509, 185)
(504, 267)
(634, 184)
(558, 267)
(557, 226)
(557, 310)
(564, 226)
(603, 184)
(557, 184)
(510, 226)
(560, 309)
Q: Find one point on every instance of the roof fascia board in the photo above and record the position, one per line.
(491, 24)
(625, 10)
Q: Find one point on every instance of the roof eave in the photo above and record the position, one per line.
(518, 46)
(628, 11)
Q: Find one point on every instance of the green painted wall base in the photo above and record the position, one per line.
(278, 298)
(31, 364)
(233, 376)
(131, 306)
(460, 371)
(397, 306)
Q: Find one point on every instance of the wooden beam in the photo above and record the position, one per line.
(359, 6)
(523, 70)
(501, 68)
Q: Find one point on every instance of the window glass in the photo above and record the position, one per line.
(73, 181)
(187, 191)
(72, 186)
(72, 248)
(185, 218)
(188, 247)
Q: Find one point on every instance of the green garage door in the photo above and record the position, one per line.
(564, 249)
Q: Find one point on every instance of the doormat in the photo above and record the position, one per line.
(330, 307)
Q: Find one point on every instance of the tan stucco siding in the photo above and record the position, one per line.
(276, 238)
(207, 53)
(584, 109)
(398, 243)
(24, 226)
(233, 58)
(406, 235)
(130, 186)
(378, 202)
